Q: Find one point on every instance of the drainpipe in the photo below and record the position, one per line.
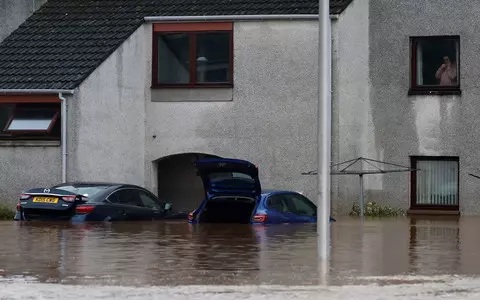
(64, 136)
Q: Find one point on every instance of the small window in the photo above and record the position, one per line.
(435, 184)
(435, 65)
(30, 121)
(193, 55)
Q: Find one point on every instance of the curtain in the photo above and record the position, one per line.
(437, 182)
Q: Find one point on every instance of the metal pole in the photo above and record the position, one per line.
(324, 129)
(361, 196)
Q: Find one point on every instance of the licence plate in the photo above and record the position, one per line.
(45, 200)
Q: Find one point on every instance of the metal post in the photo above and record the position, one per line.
(362, 205)
(324, 129)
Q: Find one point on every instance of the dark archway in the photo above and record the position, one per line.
(178, 182)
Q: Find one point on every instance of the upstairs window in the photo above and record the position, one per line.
(192, 55)
(435, 65)
(30, 121)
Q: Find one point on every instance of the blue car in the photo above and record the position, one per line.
(234, 195)
(92, 201)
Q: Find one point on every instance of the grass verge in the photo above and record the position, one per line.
(6, 213)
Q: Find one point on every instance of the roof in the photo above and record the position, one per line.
(66, 40)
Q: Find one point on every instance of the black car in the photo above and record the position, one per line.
(93, 201)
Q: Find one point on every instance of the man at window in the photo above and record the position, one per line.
(447, 73)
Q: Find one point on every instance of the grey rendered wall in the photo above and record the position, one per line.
(15, 12)
(352, 125)
(107, 118)
(25, 167)
(425, 125)
(269, 118)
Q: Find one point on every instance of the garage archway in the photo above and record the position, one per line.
(178, 182)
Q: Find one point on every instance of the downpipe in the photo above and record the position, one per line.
(64, 136)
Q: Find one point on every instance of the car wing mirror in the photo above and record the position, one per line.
(167, 206)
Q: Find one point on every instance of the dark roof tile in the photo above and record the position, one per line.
(66, 40)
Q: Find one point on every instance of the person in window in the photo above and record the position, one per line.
(447, 73)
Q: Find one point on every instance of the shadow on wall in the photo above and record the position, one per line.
(178, 181)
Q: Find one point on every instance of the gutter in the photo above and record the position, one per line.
(36, 91)
(235, 18)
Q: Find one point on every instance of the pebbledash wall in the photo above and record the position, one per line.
(15, 12)
(432, 125)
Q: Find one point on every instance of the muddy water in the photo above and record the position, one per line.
(174, 253)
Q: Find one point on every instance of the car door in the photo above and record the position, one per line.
(128, 205)
(152, 204)
(300, 209)
(277, 209)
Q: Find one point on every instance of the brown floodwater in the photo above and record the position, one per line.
(177, 253)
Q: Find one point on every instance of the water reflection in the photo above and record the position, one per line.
(160, 253)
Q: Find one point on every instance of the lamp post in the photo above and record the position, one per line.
(324, 129)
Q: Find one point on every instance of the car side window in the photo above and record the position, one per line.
(126, 197)
(149, 201)
(299, 205)
(277, 203)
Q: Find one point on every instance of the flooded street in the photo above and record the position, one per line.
(383, 252)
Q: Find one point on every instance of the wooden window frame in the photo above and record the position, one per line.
(416, 89)
(413, 184)
(191, 29)
(33, 134)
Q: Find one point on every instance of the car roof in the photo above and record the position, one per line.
(111, 185)
(268, 192)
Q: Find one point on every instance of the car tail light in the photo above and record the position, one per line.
(260, 218)
(18, 207)
(84, 209)
(24, 196)
(69, 198)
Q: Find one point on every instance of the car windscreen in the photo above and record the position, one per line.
(86, 191)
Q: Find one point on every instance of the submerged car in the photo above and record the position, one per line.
(234, 195)
(90, 201)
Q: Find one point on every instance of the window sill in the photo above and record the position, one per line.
(187, 86)
(433, 92)
(28, 143)
(217, 94)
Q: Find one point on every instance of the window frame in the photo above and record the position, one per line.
(21, 132)
(30, 135)
(191, 29)
(416, 89)
(413, 184)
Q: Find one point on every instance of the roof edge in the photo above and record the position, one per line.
(235, 18)
(36, 91)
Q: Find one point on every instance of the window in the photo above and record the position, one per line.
(193, 55)
(435, 65)
(30, 121)
(435, 184)
(291, 203)
(149, 202)
(126, 197)
(300, 206)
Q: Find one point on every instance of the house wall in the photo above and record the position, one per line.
(269, 117)
(15, 12)
(352, 125)
(27, 165)
(107, 118)
(424, 125)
